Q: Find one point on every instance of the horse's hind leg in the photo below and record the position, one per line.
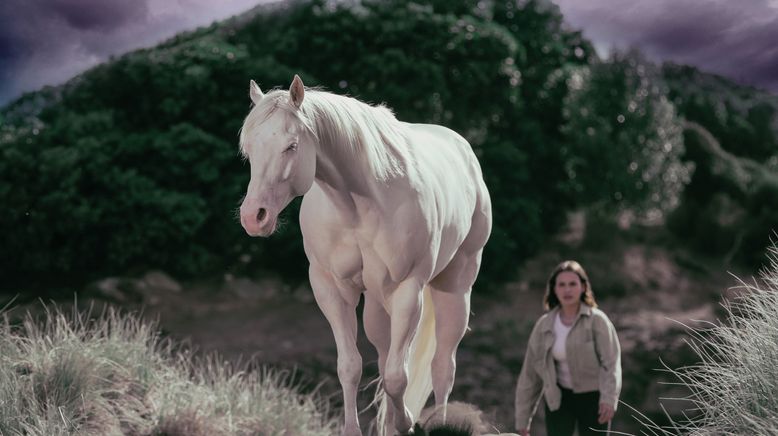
(342, 317)
(450, 292)
(452, 312)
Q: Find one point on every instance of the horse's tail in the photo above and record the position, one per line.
(419, 367)
(420, 361)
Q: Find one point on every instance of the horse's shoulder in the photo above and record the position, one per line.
(318, 217)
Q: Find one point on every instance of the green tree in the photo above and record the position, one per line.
(134, 164)
(624, 140)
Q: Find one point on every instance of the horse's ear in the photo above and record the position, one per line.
(255, 93)
(297, 91)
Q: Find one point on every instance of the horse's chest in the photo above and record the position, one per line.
(370, 263)
(345, 264)
(370, 249)
(378, 273)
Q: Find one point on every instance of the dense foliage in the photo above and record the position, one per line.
(623, 137)
(134, 164)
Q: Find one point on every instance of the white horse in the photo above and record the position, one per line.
(394, 210)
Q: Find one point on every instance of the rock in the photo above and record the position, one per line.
(117, 289)
(303, 294)
(248, 289)
(159, 281)
(125, 290)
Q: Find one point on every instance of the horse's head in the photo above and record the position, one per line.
(277, 141)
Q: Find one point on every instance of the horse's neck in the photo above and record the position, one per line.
(343, 182)
(343, 173)
(346, 169)
(350, 184)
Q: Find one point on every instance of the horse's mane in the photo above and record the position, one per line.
(360, 131)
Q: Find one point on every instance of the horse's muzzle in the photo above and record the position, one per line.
(257, 221)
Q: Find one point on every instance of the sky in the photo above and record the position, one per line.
(737, 39)
(46, 42)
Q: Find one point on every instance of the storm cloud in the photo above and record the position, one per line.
(736, 39)
(46, 42)
(104, 15)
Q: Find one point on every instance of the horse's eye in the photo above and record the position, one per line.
(291, 147)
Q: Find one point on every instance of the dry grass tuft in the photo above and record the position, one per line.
(73, 375)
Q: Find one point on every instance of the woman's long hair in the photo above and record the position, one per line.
(551, 301)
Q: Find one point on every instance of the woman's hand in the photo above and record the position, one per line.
(524, 432)
(605, 414)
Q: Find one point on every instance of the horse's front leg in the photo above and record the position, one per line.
(406, 303)
(341, 314)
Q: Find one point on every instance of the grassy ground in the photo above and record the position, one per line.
(67, 375)
(73, 375)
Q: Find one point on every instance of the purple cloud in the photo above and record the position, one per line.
(98, 14)
(738, 39)
(46, 42)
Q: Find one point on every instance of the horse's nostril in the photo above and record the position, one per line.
(261, 215)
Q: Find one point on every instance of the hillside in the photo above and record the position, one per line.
(659, 180)
(742, 117)
(731, 136)
(136, 157)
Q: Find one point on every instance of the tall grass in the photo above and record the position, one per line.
(734, 387)
(70, 375)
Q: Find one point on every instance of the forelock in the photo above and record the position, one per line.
(270, 104)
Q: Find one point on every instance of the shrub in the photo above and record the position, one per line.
(733, 387)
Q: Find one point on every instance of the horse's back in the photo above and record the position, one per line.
(445, 150)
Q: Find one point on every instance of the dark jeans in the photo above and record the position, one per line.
(580, 408)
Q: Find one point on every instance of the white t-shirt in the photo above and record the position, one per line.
(559, 352)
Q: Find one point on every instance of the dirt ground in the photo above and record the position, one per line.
(643, 281)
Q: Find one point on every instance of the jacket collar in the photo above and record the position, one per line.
(548, 325)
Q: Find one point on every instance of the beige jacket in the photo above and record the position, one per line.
(593, 353)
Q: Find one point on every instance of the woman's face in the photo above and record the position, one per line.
(568, 289)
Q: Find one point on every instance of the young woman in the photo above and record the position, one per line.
(573, 359)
